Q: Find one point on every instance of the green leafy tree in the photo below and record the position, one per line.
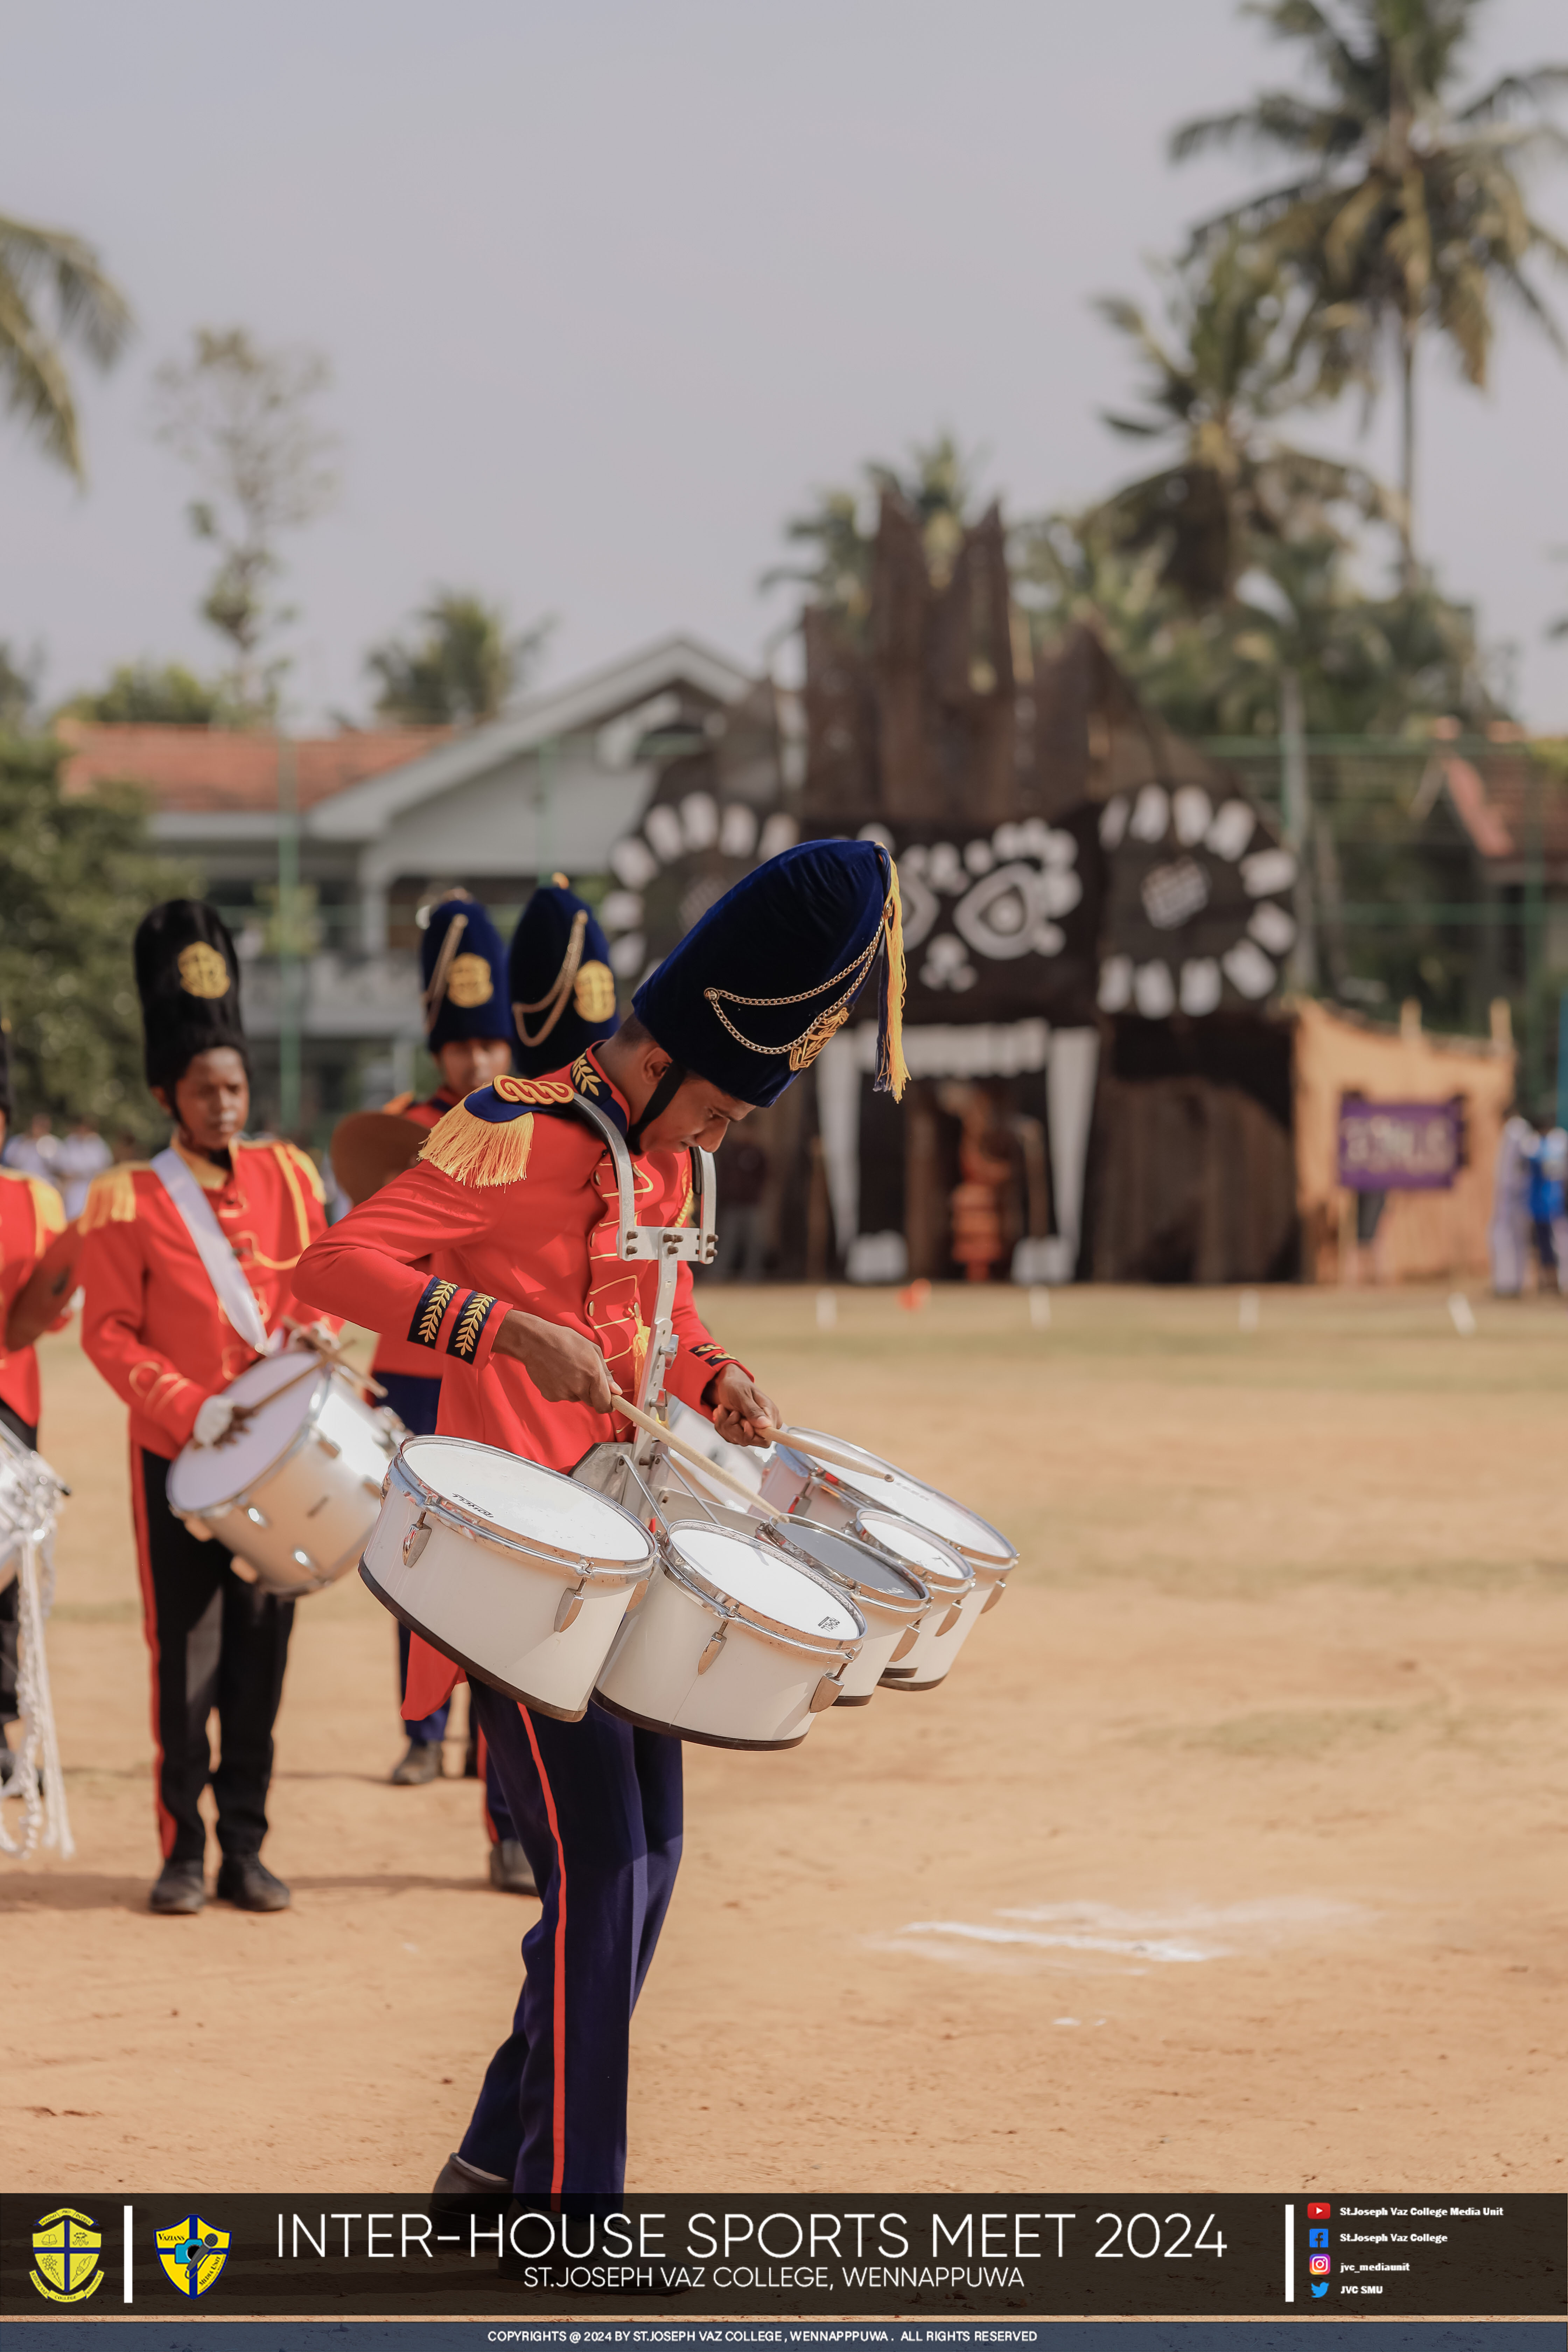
(244, 419)
(1406, 213)
(838, 534)
(1235, 357)
(18, 687)
(158, 694)
(54, 294)
(461, 669)
(76, 876)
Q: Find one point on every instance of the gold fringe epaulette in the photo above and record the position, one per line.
(480, 1151)
(111, 1197)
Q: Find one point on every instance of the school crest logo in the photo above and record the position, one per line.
(469, 982)
(202, 970)
(192, 2253)
(66, 2246)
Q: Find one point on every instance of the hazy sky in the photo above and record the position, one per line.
(609, 287)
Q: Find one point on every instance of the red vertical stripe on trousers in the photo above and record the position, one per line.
(558, 2109)
(150, 1627)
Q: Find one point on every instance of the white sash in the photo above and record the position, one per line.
(235, 1295)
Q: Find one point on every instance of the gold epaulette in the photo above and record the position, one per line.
(111, 1197)
(398, 1103)
(48, 1209)
(480, 1151)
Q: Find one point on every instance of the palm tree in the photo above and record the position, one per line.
(1239, 355)
(938, 489)
(89, 311)
(463, 668)
(1408, 212)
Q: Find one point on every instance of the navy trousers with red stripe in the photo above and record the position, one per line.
(598, 1807)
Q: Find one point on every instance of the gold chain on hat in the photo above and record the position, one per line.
(560, 988)
(803, 1050)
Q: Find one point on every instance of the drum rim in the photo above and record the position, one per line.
(964, 1573)
(1000, 1563)
(304, 1435)
(724, 1605)
(456, 1515)
(911, 1605)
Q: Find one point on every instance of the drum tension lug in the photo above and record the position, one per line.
(829, 1690)
(711, 1654)
(993, 1598)
(569, 1608)
(416, 1539)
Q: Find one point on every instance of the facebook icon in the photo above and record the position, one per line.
(1317, 2237)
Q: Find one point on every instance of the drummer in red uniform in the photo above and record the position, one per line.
(31, 1215)
(497, 1254)
(153, 1325)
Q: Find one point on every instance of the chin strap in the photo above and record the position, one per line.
(658, 1102)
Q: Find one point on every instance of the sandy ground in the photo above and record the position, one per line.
(1231, 1856)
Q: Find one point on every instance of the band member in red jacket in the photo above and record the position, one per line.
(153, 1325)
(497, 1253)
(31, 1215)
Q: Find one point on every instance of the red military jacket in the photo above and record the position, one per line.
(520, 1215)
(393, 1353)
(31, 1215)
(151, 1322)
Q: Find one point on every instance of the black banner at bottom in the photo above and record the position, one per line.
(990, 2262)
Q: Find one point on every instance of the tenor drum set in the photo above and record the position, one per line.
(733, 1623)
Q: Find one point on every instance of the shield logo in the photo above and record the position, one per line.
(192, 2253)
(66, 2246)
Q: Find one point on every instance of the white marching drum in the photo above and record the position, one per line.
(736, 1645)
(959, 1598)
(295, 1488)
(517, 1574)
(890, 1595)
(833, 1494)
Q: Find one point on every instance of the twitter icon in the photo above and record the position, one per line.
(1320, 2286)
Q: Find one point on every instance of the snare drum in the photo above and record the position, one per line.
(890, 1596)
(833, 1496)
(958, 1599)
(295, 1491)
(517, 1574)
(737, 1644)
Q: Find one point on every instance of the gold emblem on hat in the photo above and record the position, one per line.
(469, 981)
(594, 992)
(805, 1049)
(202, 970)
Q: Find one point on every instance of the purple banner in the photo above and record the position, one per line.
(1400, 1146)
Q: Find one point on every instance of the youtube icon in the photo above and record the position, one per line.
(1317, 2212)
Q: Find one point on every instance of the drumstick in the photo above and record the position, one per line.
(666, 1436)
(822, 1452)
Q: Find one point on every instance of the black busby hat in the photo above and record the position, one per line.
(756, 989)
(5, 1104)
(188, 976)
(463, 964)
(558, 972)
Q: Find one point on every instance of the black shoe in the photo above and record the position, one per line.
(422, 1762)
(244, 1880)
(180, 1889)
(461, 2189)
(511, 1872)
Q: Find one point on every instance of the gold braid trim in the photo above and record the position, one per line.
(111, 1197)
(480, 1151)
(560, 988)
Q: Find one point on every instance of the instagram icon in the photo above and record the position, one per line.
(1319, 2265)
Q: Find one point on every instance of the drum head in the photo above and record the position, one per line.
(938, 1562)
(278, 1403)
(882, 1485)
(860, 1568)
(524, 1499)
(763, 1582)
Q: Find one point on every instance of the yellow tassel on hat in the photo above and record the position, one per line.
(480, 1151)
(892, 1070)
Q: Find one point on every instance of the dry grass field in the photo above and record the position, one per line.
(1232, 1855)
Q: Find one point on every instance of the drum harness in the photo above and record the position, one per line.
(643, 1474)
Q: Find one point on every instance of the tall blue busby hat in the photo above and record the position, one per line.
(463, 964)
(755, 990)
(188, 976)
(562, 988)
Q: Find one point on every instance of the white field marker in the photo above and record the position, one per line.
(1039, 1308)
(1247, 1311)
(1462, 1315)
(827, 1310)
